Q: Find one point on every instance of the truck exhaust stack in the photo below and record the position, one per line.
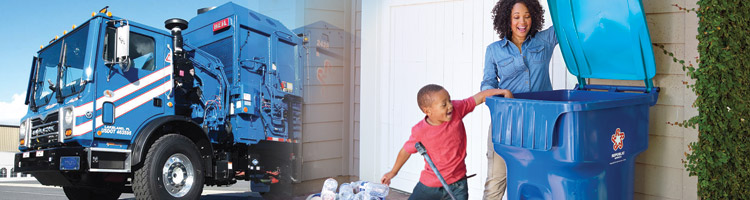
(176, 25)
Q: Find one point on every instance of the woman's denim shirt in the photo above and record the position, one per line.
(520, 72)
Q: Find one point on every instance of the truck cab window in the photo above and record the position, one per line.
(141, 49)
(75, 54)
(46, 75)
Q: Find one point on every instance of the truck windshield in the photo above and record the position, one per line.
(47, 74)
(72, 73)
(74, 60)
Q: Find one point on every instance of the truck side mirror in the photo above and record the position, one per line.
(122, 45)
(117, 44)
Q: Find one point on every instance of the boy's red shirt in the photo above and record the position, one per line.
(445, 143)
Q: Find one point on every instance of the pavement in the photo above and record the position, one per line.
(28, 188)
(31, 189)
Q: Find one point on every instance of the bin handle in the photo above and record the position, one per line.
(522, 130)
(654, 92)
(617, 88)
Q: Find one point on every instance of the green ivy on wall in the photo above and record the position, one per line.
(721, 156)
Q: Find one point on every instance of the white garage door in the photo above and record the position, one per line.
(408, 44)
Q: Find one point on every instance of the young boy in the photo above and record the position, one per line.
(443, 134)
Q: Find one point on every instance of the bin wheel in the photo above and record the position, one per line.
(172, 170)
(90, 193)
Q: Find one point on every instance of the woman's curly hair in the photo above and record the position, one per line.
(502, 12)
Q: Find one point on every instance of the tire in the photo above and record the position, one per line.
(78, 193)
(180, 157)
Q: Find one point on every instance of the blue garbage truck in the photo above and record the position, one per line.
(117, 106)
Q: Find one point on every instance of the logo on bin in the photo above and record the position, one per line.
(617, 139)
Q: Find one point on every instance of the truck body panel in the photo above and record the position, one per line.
(232, 87)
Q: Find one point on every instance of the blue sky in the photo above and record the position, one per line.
(26, 25)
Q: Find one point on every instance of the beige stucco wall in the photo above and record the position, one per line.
(329, 95)
(357, 84)
(329, 141)
(660, 173)
(9, 138)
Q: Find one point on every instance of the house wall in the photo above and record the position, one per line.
(660, 173)
(9, 139)
(329, 123)
(357, 86)
(406, 45)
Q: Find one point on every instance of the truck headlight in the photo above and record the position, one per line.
(68, 121)
(22, 130)
(68, 115)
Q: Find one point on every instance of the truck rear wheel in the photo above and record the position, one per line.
(90, 193)
(172, 170)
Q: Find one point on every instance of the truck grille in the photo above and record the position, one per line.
(44, 131)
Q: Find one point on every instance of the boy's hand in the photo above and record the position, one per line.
(480, 97)
(402, 157)
(387, 178)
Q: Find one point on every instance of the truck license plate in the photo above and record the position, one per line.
(26, 154)
(70, 163)
(40, 153)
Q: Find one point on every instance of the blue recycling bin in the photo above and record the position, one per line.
(582, 143)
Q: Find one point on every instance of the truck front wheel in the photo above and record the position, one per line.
(172, 170)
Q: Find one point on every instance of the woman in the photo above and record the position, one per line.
(518, 62)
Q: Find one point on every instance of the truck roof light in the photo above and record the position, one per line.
(74, 26)
(109, 14)
(65, 32)
(41, 46)
(93, 14)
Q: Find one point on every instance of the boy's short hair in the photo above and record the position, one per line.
(423, 99)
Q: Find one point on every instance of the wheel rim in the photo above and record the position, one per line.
(178, 175)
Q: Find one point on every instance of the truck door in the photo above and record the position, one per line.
(128, 95)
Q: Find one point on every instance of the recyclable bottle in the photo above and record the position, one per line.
(329, 189)
(359, 196)
(376, 190)
(345, 192)
(359, 186)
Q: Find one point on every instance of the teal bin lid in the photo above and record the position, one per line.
(604, 39)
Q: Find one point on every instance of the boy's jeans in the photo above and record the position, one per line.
(459, 189)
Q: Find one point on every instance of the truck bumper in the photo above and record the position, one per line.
(49, 159)
(66, 166)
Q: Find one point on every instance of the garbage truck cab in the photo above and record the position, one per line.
(117, 106)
